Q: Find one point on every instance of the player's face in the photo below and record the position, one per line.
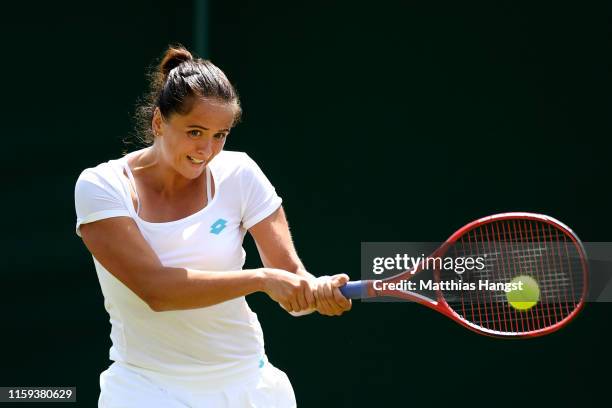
(189, 142)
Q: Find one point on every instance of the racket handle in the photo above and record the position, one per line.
(353, 290)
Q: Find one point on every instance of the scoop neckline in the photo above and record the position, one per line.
(125, 165)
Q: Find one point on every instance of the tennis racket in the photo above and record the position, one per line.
(512, 244)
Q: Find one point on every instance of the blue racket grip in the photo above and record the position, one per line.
(353, 290)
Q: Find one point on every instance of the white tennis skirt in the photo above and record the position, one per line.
(122, 387)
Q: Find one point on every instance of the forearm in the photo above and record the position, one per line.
(285, 259)
(181, 288)
(275, 245)
(288, 261)
(304, 273)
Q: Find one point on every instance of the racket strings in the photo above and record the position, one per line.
(513, 248)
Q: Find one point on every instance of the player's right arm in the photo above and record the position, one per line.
(119, 246)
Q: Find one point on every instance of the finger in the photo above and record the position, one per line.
(328, 297)
(322, 304)
(286, 306)
(310, 298)
(301, 298)
(340, 300)
(295, 307)
(315, 294)
(336, 300)
(340, 279)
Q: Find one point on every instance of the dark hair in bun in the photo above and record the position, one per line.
(172, 59)
(175, 84)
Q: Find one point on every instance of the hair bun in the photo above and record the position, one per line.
(173, 58)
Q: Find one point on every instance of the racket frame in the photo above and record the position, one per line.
(440, 305)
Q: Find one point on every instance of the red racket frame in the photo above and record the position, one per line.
(440, 305)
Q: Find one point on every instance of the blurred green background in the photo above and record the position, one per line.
(376, 121)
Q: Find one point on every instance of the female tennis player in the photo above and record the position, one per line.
(165, 226)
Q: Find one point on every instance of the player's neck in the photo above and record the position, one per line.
(159, 175)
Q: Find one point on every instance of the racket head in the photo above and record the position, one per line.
(516, 244)
(528, 244)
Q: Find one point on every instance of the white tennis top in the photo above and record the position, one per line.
(209, 344)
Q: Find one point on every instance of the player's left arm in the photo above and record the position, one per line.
(276, 250)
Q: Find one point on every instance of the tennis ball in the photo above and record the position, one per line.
(527, 297)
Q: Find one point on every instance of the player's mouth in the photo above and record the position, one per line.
(195, 161)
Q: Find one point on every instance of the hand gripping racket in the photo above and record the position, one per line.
(513, 245)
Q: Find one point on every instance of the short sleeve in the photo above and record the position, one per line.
(259, 198)
(95, 198)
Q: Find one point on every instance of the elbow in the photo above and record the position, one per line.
(158, 301)
(154, 298)
(156, 304)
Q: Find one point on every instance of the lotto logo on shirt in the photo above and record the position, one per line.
(218, 226)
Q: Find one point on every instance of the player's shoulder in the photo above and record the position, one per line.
(231, 162)
(103, 174)
(232, 158)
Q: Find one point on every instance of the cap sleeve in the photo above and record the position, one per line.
(259, 198)
(97, 198)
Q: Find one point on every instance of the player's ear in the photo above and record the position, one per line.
(156, 122)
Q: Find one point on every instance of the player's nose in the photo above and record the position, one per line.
(205, 147)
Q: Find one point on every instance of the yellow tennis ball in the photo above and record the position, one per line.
(525, 298)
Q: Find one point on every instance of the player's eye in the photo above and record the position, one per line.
(220, 136)
(194, 133)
